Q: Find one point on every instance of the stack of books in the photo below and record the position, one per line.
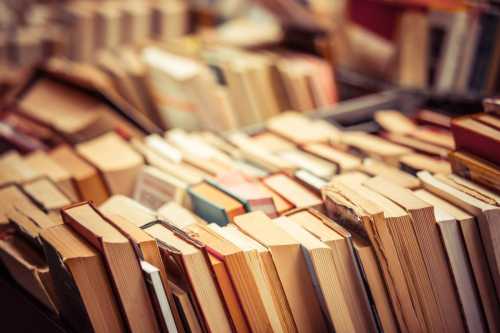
(78, 29)
(478, 142)
(298, 226)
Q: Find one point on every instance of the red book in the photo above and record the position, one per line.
(477, 138)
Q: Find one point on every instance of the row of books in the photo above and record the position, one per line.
(79, 29)
(296, 227)
(214, 88)
(444, 46)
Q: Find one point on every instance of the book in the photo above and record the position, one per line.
(47, 196)
(457, 257)
(29, 269)
(188, 315)
(182, 219)
(11, 195)
(476, 138)
(348, 270)
(154, 281)
(415, 162)
(44, 164)
(81, 282)
(345, 161)
(374, 146)
(129, 209)
(300, 130)
(88, 183)
(280, 308)
(474, 168)
(248, 278)
(154, 188)
(121, 261)
(247, 192)
(214, 205)
(461, 208)
(298, 288)
(74, 114)
(311, 163)
(476, 202)
(120, 169)
(413, 55)
(432, 252)
(14, 169)
(376, 168)
(292, 191)
(189, 266)
(152, 264)
(354, 207)
(375, 282)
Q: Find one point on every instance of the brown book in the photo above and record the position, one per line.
(44, 164)
(28, 267)
(148, 248)
(477, 247)
(248, 278)
(413, 57)
(82, 285)
(188, 315)
(182, 219)
(292, 191)
(86, 178)
(375, 282)
(119, 169)
(432, 252)
(121, 261)
(459, 263)
(188, 265)
(74, 114)
(10, 196)
(280, 308)
(352, 205)
(285, 251)
(476, 169)
(282, 205)
(29, 219)
(47, 196)
(349, 273)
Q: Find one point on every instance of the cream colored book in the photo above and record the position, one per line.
(458, 258)
(45, 165)
(485, 214)
(375, 146)
(345, 161)
(300, 129)
(129, 209)
(154, 188)
(377, 168)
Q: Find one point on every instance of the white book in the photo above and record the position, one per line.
(153, 279)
